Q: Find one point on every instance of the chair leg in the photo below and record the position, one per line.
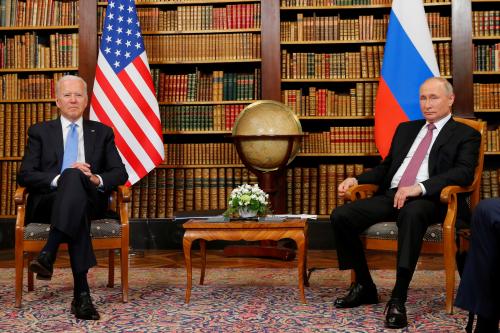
(124, 272)
(449, 267)
(111, 268)
(31, 275)
(19, 262)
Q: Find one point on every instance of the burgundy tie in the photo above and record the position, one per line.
(411, 171)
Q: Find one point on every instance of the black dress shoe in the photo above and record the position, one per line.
(358, 295)
(43, 265)
(395, 311)
(82, 307)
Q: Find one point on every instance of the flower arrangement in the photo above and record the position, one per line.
(247, 198)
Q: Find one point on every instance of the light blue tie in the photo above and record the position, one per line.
(71, 148)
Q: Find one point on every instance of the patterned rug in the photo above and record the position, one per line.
(232, 300)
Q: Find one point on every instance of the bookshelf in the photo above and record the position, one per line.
(193, 55)
(486, 85)
(331, 58)
(205, 59)
(38, 44)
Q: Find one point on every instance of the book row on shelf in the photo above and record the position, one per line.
(340, 140)
(199, 117)
(30, 86)
(314, 190)
(351, 65)
(486, 95)
(16, 13)
(487, 57)
(201, 154)
(492, 140)
(210, 47)
(32, 50)
(486, 23)
(438, 25)
(329, 3)
(330, 28)
(309, 190)
(365, 27)
(175, 2)
(15, 119)
(195, 18)
(323, 102)
(213, 86)
(489, 183)
(165, 191)
(8, 172)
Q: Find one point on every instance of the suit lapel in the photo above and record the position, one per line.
(88, 139)
(444, 135)
(58, 143)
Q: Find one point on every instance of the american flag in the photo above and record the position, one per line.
(124, 96)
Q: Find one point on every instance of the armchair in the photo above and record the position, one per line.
(440, 238)
(107, 234)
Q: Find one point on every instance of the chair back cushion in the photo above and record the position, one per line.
(103, 228)
(389, 231)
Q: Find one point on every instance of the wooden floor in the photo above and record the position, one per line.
(216, 258)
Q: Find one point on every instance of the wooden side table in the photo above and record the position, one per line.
(295, 229)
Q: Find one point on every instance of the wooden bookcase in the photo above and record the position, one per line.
(331, 58)
(486, 82)
(205, 58)
(195, 126)
(38, 43)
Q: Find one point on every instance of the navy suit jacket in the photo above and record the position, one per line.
(452, 159)
(43, 159)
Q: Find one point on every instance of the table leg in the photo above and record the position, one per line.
(203, 254)
(186, 244)
(306, 246)
(301, 249)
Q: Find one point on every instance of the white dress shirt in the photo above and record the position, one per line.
(81, 147)
(423, 171)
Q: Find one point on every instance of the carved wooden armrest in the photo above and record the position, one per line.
(123, 198)
(123, 193)
(449, 197)
(360, 191)
(20, 198)
(20, 195)
(448, 192)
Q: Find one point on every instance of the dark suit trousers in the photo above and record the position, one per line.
(72, 205)
(479, 290)
(353, 218)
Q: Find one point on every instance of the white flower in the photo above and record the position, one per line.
(249, 196)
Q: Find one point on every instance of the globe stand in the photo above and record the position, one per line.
(271, 183)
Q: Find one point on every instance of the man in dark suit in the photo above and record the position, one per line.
(69, 166)
(408, 192)
(479, 290)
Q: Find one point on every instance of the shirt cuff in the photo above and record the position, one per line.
(53, 183)
(101, 183)
(422, 187)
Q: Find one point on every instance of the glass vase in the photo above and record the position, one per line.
(246, 212)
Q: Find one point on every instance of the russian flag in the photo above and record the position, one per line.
(409, 60)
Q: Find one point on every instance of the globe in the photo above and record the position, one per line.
(264, 130)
